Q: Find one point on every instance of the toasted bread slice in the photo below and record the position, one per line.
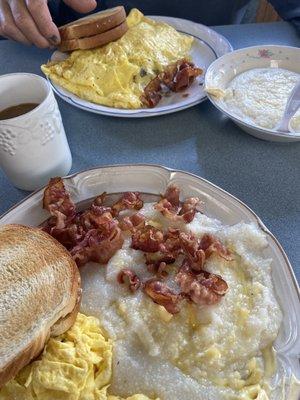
(93, 24)
(94, 41)
(39, 295)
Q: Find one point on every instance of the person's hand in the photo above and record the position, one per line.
(30, 21)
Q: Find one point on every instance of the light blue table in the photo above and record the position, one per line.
(264, 175)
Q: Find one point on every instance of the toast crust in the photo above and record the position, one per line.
(95, 41)
(42, 305)
(93, 24)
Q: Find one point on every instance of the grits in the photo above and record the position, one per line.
(259, 96)
(220, 351)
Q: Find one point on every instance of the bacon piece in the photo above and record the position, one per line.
(202, 288)
(189, 208)
(170, 207)
(148, 239)
(129, 201)
(191, 248)
(184, 76)
(161, 294)
(152, 92)
(68, 236)
(210, 244)
(99, 200)
(57, 201)
(98, 217)
(172, 242)
(172, 195)
(130, 279)
(176, 77)
(97, 247)
(132, 223)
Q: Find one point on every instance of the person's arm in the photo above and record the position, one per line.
(30, 21)
(289, 10)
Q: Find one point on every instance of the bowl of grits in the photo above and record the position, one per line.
(252, 85)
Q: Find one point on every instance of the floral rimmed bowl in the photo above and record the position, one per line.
(221, 72)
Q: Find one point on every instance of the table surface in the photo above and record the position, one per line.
(200, 140)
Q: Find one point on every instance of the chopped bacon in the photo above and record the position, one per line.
(148, 239)
(172, 195)
(176, 77)
(192, 250)
(97, 247)
(152, 92)
(97, 233)
(184, 76)
(172, 242)
(202, 288)
(57, 201)
(130, 279)
(132, 223)
(189, 208)
(210, 244)
(99, 200)
(161, 294)
(171, 208)
(68, 236)
(98, 217)
(129, 201)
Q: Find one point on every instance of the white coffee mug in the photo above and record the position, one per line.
(33, 146)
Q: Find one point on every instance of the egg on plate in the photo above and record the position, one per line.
(116, 74)
(74, 366)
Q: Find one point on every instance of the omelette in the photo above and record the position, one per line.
(76, 365)
(116, 75)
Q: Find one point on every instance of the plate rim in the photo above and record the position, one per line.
(260, 223)
(142, 113)
(268, 132)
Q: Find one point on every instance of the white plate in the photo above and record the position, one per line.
(223, 70)
(208, 46)
(153, 179)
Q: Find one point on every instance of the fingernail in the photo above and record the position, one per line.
(53, 40)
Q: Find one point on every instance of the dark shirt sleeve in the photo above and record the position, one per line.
(289, 10)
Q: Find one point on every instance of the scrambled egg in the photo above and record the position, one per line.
(74, 366)
(115, 75)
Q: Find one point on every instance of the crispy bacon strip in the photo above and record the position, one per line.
(97, 247)
(132, 223)
(98, 217)
(128, 277)
(176, 77)
(171, 208)
(129, 201)
(99, 200)
(201, 288)
(57, 201)
(189, 208)
(191, 248)
(172, 195)
(185, 74)
(148, 239)
(161, 294)
(210, 244)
